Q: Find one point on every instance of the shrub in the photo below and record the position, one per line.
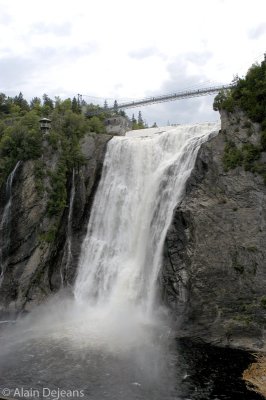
(232, 156)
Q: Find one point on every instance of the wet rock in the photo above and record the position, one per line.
(36, 264)
(214, 273)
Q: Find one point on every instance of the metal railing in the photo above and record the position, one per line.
(163, 98)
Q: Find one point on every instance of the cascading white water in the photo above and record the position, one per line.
(5, 223)
(143, 180)
(68, 246)
(111, 338)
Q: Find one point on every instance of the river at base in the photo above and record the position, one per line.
(182, 370)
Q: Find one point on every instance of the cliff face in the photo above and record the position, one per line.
(40, 257)
(214, 273)
(214, 270)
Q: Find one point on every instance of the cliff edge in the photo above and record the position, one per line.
(214, 270)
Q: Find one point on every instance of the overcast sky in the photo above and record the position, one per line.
(122, 49)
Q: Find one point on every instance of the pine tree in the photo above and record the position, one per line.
(105, 106)
(21, 102)
(115, 106)
(48, 105)
(140, 120)
(141, 124)
(75, 106)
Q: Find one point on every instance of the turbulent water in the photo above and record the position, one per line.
(112, 339)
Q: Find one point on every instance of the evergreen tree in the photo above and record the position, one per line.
(115, 107)
(47, 102)
(140, 120)
(105, 106)
(48, 105)
(5, 104)
(21, 102)
(75, 106)
(36, 105)
(122, 113)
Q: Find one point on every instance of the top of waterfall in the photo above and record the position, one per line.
(159, 130)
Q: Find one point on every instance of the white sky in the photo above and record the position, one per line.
(128, 50)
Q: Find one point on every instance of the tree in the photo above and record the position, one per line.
(140, 120)
(21, 102)
(66, 105)
(75, 106)
(5, 104)
(58, 103)
(47, 102)
(115, 107)
(36, 105)
(96, 125)
(105, 106)
(122, 113)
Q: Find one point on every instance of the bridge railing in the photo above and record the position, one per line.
(164, 98)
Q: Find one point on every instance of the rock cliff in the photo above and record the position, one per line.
(213, 275)
(37, 261)
(214, 270)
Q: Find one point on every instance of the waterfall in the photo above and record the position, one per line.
(5, 225)
(68, 245)
(143, 179)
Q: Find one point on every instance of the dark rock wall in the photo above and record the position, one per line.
(214, 272)
(36, 267)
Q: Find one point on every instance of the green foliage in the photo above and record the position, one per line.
(49, 236)
(5, 104)
(137, 124)
(39, 174)
(20, 140)
(67, 130)
(248, 94)
(75, 107)
(58, 193)
(246, 155)
(250, 154)
(21, 103)
(232, 156)
(224, 100)
(96, 124)
(36, 105)
(245, 319)
(115, 106)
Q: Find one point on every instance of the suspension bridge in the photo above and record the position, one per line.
(162, 98)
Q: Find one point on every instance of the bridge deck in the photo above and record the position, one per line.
(167, 97)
